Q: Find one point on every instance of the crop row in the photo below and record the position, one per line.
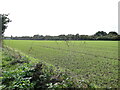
(94, 64)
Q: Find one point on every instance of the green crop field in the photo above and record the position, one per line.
(95, 62)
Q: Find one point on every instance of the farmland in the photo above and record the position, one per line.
(95, 62)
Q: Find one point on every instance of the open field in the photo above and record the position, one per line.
(93, 61)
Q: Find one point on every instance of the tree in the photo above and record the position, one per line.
(77, 36)
(112, 33)
(100, 33)
(4, 21)
(62, 37)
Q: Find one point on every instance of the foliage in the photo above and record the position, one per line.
(112, 33)
(100, 35)
(5, 21)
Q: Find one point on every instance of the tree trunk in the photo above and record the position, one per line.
(0, 31)
(0, 47)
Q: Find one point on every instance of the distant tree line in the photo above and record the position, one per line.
(100, 35)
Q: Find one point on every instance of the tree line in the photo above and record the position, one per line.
(100, 35)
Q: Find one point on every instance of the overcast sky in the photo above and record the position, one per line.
(55, 17)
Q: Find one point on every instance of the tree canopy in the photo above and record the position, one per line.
(4, 21)
(100, 33)
(112, 33)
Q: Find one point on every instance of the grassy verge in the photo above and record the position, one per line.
(23, 72)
